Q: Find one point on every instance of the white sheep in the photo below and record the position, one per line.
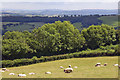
(21, 75)
(32, 73)
(12, 74)
(115, 65)
(48, 72)
(98, 65)
(61, 67)
(75, 67)
(4, 69)
(68, 70)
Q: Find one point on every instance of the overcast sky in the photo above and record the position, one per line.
(59, 0)
(59, 4)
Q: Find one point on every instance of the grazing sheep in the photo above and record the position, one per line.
(68, 70)
(61, 67)
(105, 64)
(75, 67)
(115, 65)
(98, 65)
(48, 72)
(119, 66)
(12, 74)
(32, 73)
(21, 75)
(4, 69)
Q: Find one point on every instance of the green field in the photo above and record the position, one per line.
(86, 68)
(110, 20)
(31, 25)
(78, 25)
(25, 26)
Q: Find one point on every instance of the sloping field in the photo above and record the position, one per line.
(86, 68)
(110, 20)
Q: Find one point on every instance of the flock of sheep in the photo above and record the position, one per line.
(66, 70)
(105, 64)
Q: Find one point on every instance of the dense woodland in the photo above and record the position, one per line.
(57, 38)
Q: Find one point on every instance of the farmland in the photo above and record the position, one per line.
(86, 68)
(110, 20)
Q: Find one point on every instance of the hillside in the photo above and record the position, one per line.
(110, 20)
(86, 69)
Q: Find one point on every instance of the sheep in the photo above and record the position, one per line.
(98, 65)
(115, 65)
(68, 70)
(119, 66)
(32, 73)
(12, 74)
(105, 64)
(61, 67)
(4, 69)
(21, 75)
(75, 67)
(48, 72)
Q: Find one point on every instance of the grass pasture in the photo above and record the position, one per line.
(110, 20)
(86, 68)
(78, 25)
(22, 27)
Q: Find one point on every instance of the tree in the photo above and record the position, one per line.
(58, 37)
(14, 45)
(99, 35)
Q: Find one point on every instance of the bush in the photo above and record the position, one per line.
(90, 53)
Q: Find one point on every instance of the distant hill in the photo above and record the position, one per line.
(50, 12)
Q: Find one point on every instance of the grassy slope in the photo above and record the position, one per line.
(78, 25)
(26, 26)
(86, 68)
(110, 20)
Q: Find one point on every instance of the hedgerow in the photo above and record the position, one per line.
(90, 53)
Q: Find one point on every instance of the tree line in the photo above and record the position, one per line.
(56, 38)
(85, 20)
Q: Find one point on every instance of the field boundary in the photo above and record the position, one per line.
(26, 61)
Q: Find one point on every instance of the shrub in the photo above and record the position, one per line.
(90, 53)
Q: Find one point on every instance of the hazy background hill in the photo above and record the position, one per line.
(50, 12)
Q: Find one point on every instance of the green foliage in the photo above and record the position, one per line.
(90, 53)
(14, 45)
(50, 39)
(56, 38)
(118, 36)
(99, 35)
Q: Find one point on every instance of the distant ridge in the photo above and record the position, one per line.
(50, 12)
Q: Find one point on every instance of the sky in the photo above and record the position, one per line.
(58, 4)
(59, 0)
